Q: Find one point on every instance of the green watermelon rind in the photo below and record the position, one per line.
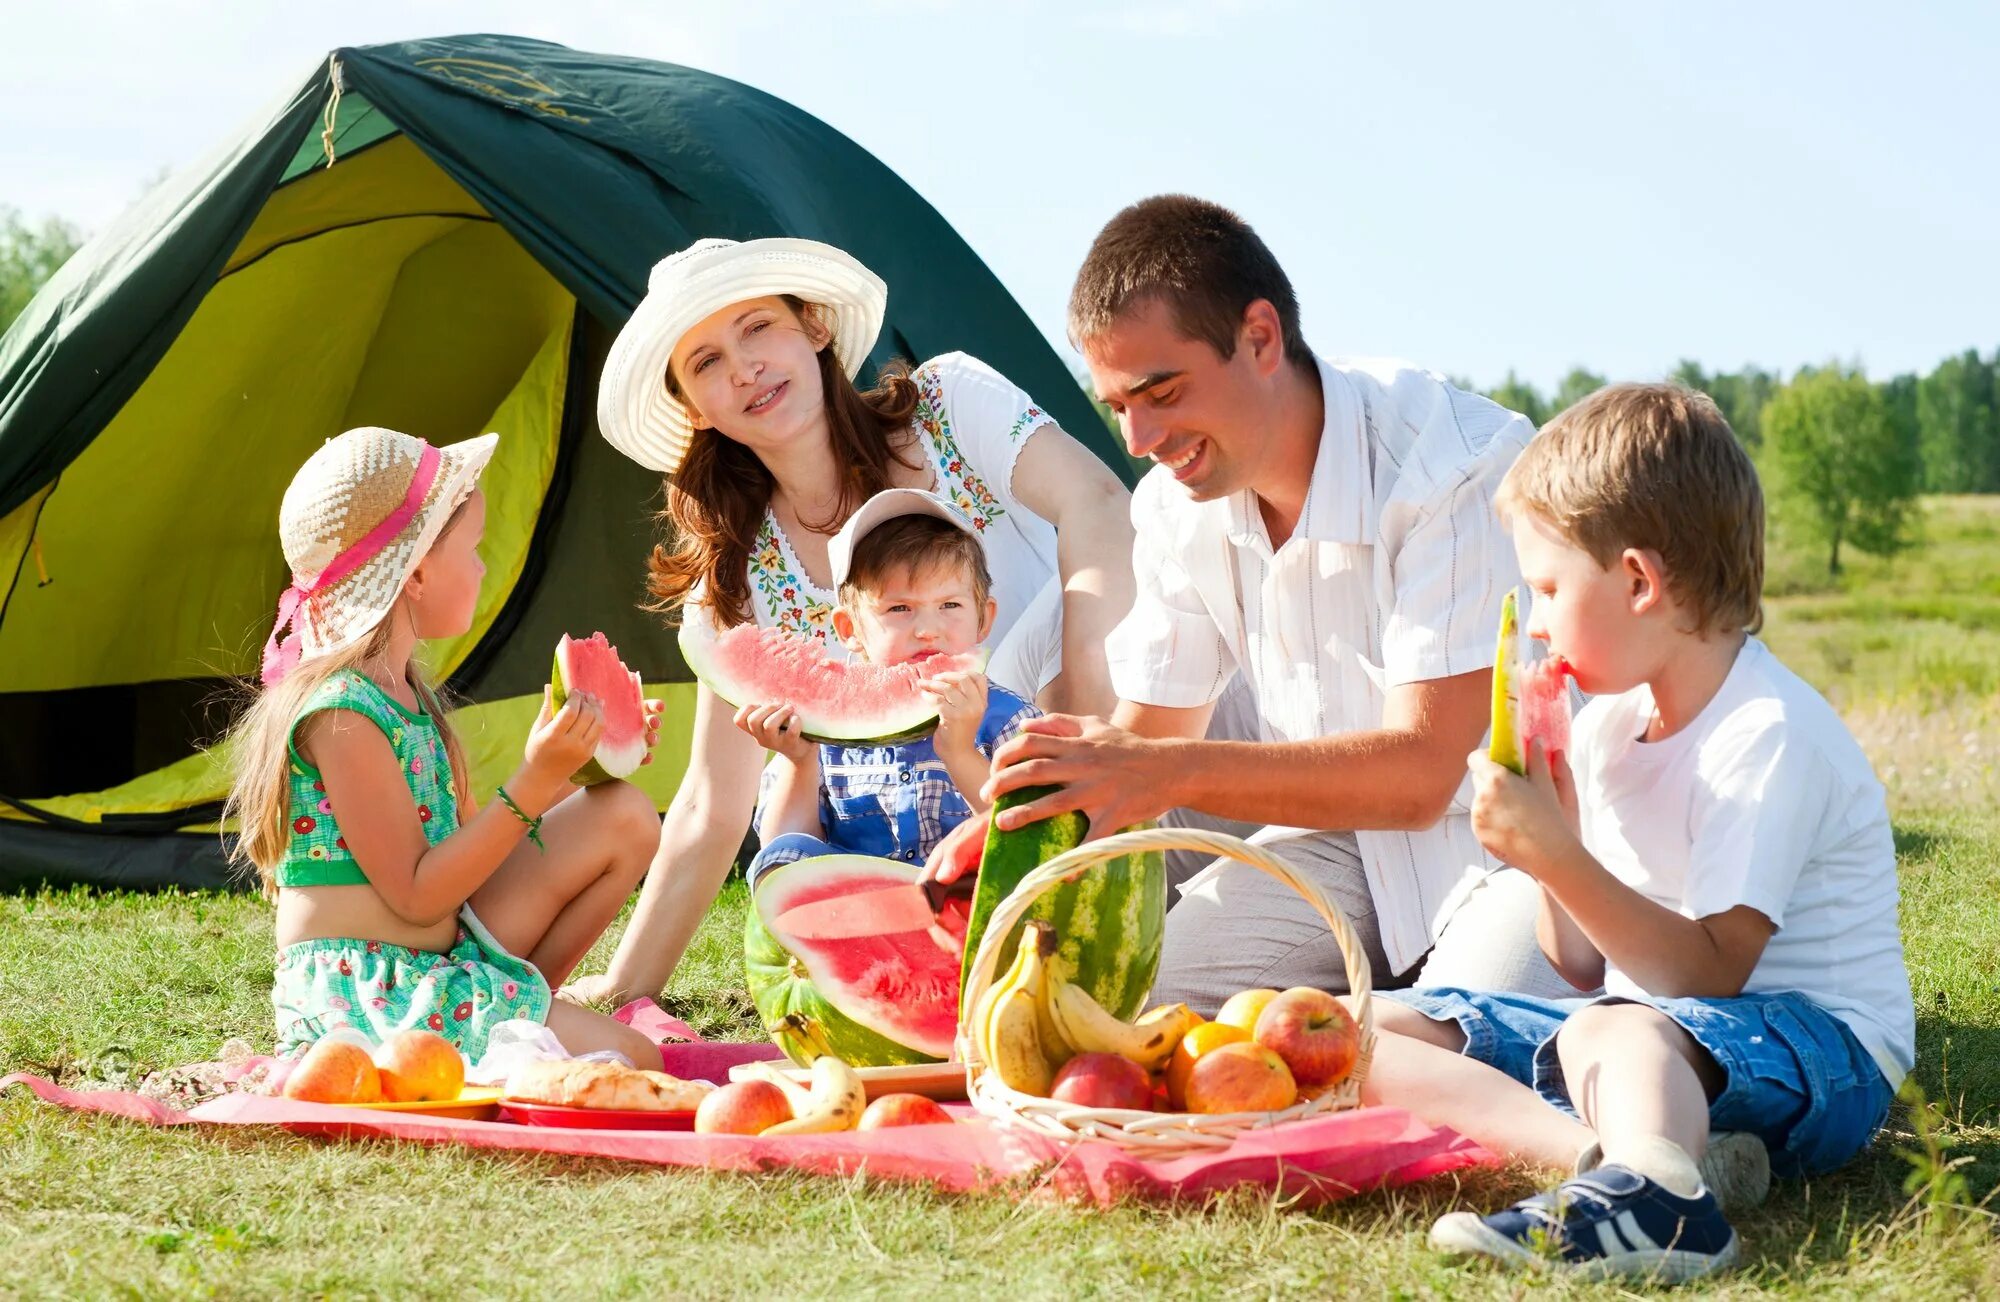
(592, 772)
(779, 985)
(1108, 923)
(696, 651)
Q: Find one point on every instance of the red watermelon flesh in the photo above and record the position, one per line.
(899, 986)
(837, 701)
(1545, 705)
(592, 665)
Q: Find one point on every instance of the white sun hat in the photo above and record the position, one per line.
(358, 516)
(634, 408)
(881, 508)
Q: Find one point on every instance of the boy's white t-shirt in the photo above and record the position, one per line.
(1764, 799)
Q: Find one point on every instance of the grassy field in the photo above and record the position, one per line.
(104, 988)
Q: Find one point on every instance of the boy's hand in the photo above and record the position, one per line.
(1523, 821)
(654, 710)
(776, 728)
(562, 741)
(960, 698)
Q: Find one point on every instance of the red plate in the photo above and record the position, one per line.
(556, 1114)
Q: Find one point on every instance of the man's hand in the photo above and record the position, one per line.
(776, 728)
(1524, 821)
(1113, 777)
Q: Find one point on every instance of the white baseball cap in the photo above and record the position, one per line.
(636, 411)
(884, 506)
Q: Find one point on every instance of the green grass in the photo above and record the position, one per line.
(102, 988)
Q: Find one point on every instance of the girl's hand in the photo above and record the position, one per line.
(562, 741)
(960, 698)
(775, 728)
(1524, 821)
(654, 710)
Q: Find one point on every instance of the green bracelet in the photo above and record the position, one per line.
(534, 824)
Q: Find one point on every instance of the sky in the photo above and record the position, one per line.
(1474, 187)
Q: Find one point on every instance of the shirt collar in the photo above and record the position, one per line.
(1340, 501)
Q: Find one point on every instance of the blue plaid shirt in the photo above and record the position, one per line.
(897, 802)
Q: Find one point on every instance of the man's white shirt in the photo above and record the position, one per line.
(1393, 575)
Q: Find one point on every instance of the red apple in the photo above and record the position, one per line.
(744, 1107)
(903, 1110)
(1103, 1080)
(1313, 1033)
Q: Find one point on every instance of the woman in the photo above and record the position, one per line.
(734, 378)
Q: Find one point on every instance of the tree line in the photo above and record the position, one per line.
(1843, 457)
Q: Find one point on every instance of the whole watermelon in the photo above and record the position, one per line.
(1108, 922)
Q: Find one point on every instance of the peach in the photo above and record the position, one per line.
(335, 1071)
(1244, 1007)
(1313, 1032)
(903, 1110)
(1103, 1080)
(1202, 1039)
(418, 1066)
(744, 1107)
(1244, 1077)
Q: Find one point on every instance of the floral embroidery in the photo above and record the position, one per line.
(462, 1012)
(423, 813)
(789, 599)
(316, 852)
(303, 824)
(435, 1021)
(957, 480)
(416, 764)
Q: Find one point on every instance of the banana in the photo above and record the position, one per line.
(1087, 1026)
(800, 1037)
(981, 1025)
(835, 1103)
(1006, 1020)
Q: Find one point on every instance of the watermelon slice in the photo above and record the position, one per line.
(1530, 698)
(837, 701)
(879, 1000)
(592, 665)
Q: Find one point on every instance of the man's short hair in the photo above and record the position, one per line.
(1653, 466)
(1199, 259)
(915, 543)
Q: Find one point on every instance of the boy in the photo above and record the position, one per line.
(1721, 862)
(913, 584)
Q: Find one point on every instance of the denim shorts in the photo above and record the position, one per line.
(1794, 1075)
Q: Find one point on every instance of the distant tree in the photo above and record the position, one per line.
(29, 255)
(1956, 425)
(1516, 394)
(1841, 467)
(1741, 396)
(1576, 386)
(1900, 393)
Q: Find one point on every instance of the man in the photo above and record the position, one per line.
(1324, 533)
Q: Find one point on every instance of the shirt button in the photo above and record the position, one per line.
(904, 776)
(1756, 1039)
(909, 854)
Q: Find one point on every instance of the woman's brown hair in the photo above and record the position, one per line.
(717, 499)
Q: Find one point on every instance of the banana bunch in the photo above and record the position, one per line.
(1032, 1021)
(1085, 1026)
(836, 1098)
(1006, 1023)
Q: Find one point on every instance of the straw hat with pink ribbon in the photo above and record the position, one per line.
(359, 515)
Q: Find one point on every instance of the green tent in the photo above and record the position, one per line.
(440, 236)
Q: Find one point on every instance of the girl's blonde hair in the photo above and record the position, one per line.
(260, 759)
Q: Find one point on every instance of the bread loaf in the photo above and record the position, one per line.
(603, 1085)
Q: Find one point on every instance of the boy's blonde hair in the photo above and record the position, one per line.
(915, 543)
(1656, 467)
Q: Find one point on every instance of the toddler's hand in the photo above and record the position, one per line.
(654, 710)
(776, 728)
(1523, 820)
(960, 698)
(562, 741)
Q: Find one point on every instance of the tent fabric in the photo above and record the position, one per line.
(454, 255)
(1316, 1161)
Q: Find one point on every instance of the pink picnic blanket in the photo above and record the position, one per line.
(1313, 1161)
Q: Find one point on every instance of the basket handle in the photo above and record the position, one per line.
(1074, 863)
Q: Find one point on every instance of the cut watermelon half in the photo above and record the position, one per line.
(1530, 697)
(879, 1000)
(837, 701)
(592, 665)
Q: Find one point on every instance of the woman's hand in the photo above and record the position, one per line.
(960, 698)
(1524, 821)
(562, 741)
(775, 728)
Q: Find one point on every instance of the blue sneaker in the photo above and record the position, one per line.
(1606, 1222)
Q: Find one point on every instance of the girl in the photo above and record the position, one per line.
(349, 785)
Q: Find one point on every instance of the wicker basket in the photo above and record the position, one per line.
(1154, 1134)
